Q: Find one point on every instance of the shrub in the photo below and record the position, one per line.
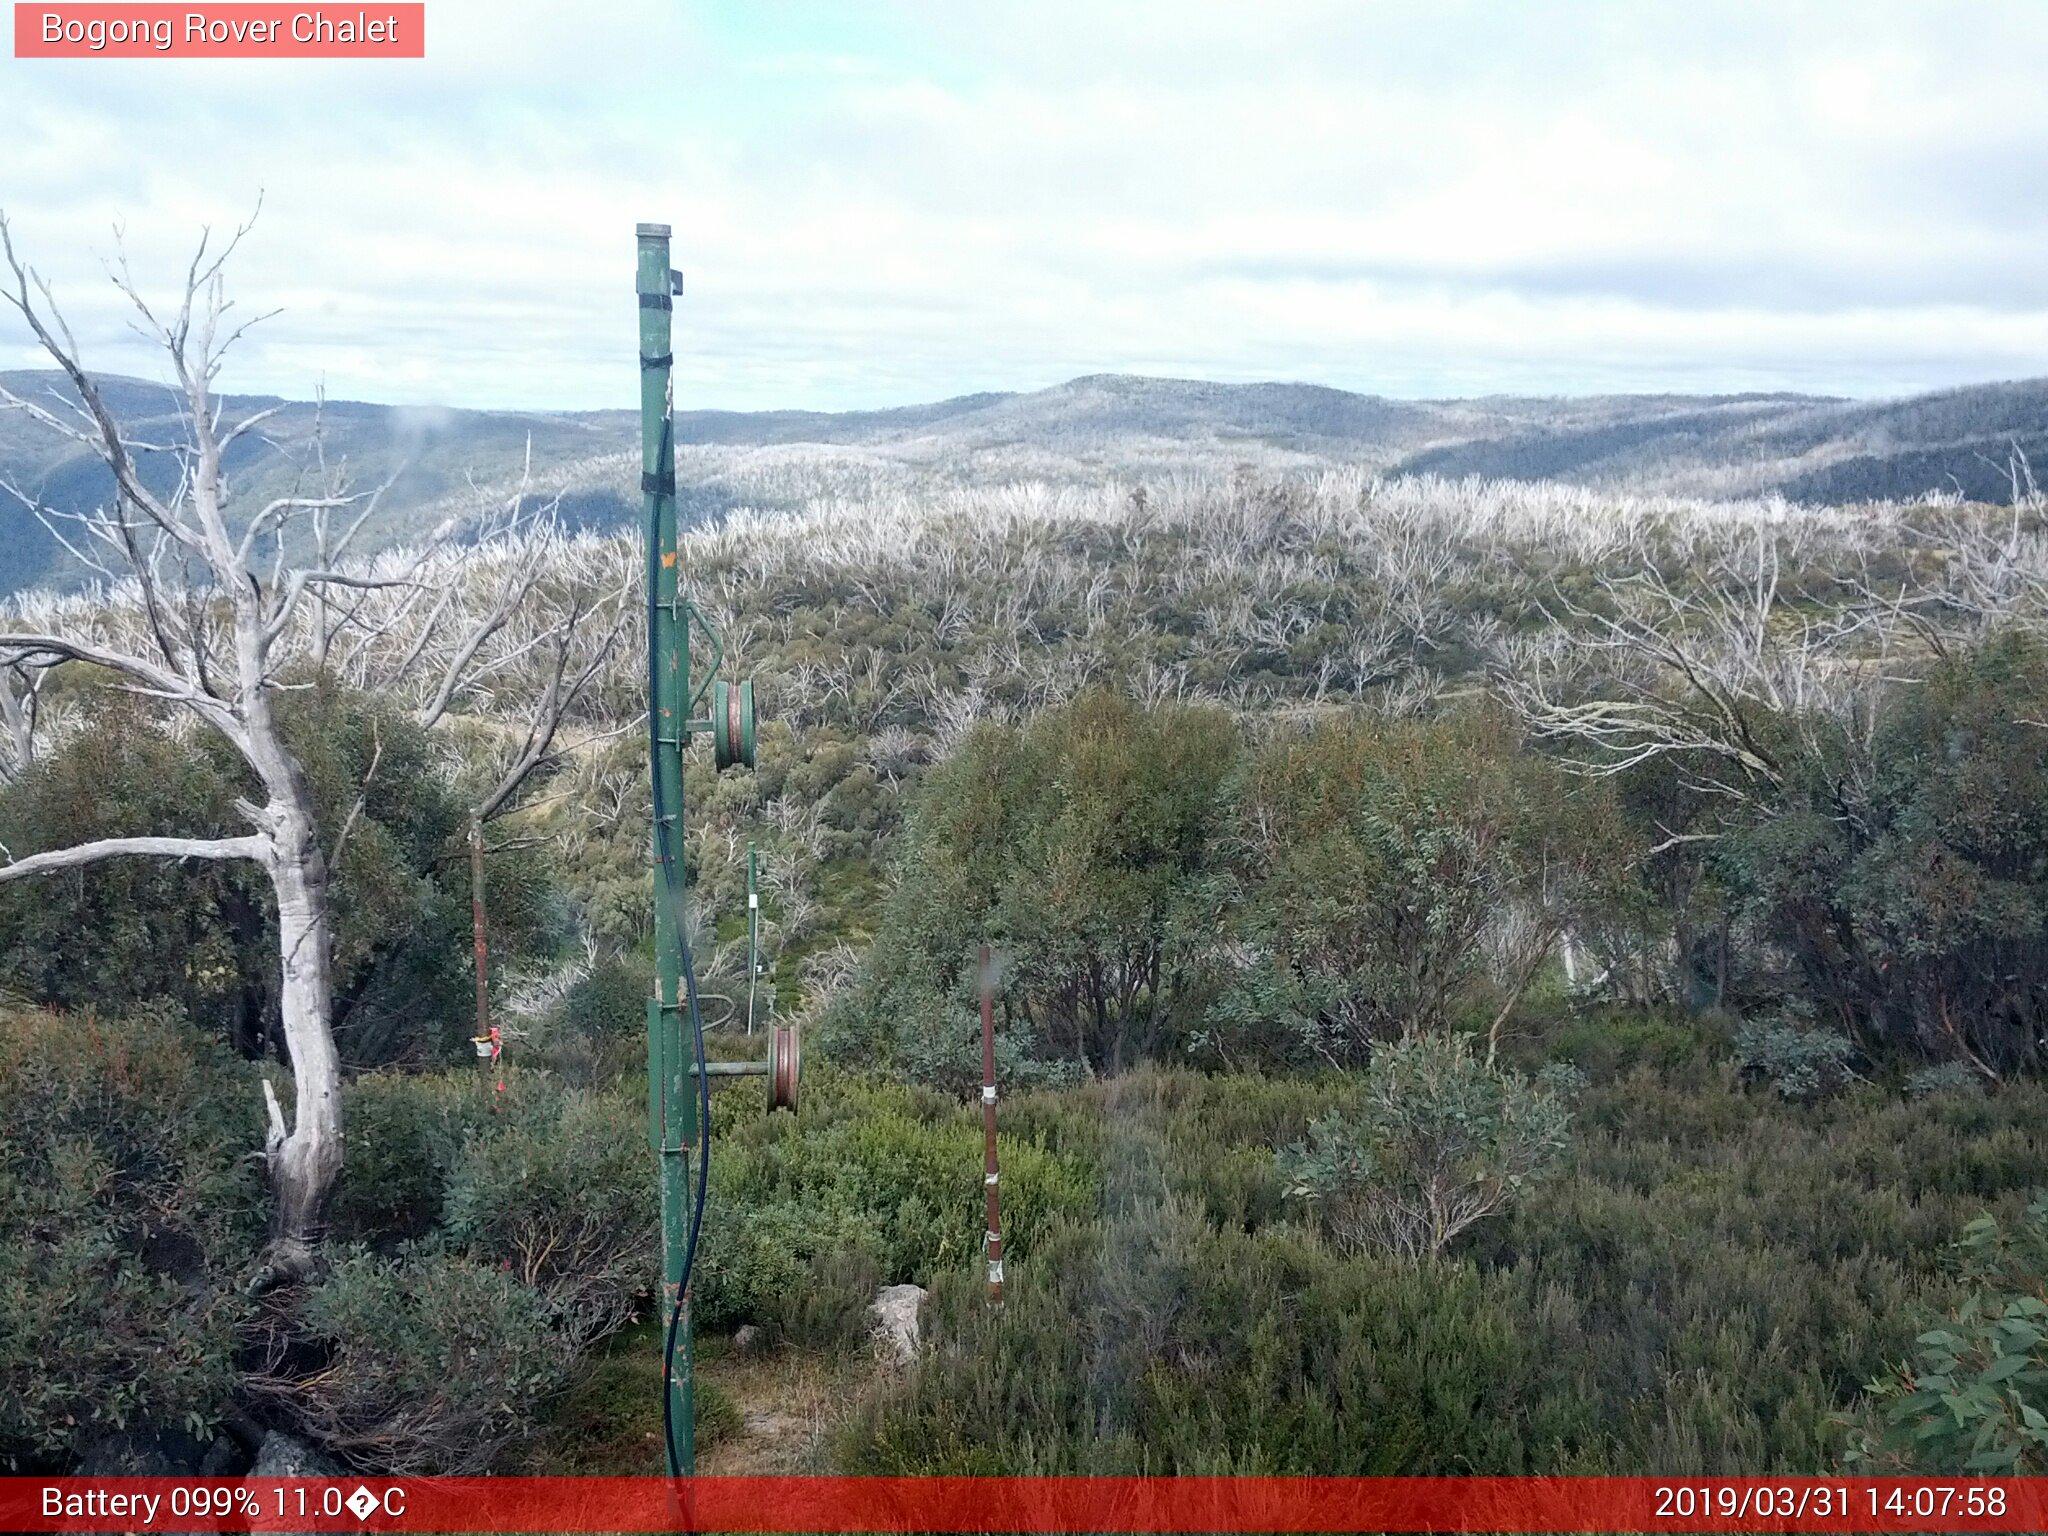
(1087, 847)
(1801, 1063)
(560, 1192)
(128, 1208)
(554, 1183)
(874, 1180)
(1388, 851)
(1703, 1280)
(1904, 879)
(1437, 1142)
(405, 1136)
(606, 1004)
(607, 1420)
(716, 1415)
(202, 934)
(1606, 1043)
(1973, 1398)
(404, 976)
(1944, 1077)
(1158, 1344)
(511, 1233)
(1718, 1270)
(1156, 894)
(429, 1364)
(598, 1033)
(829, 1309)
(112, 934)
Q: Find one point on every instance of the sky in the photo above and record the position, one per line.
(880, 203)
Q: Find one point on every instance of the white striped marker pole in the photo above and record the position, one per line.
(988, 1126)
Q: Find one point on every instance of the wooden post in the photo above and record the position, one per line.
(990, 1175)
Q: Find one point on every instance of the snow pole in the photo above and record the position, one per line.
(488, 1042)
(989, 1169)
(753, 934)
(479, 933)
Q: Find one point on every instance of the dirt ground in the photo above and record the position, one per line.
(761, 1411)
(789, 1401)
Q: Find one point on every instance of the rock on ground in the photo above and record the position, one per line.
(895, 1310)
(140, 1452)
(281, 1455)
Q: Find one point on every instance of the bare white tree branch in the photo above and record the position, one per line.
(135, 847)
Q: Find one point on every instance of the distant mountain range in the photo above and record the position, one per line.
(1807, 448)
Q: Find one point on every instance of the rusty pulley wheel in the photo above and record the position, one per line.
(732, 724)
(783, 1060)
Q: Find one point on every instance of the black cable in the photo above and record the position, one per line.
(664, 855)
(675, 1316)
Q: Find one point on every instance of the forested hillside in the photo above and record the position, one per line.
(1101, 430)
(1495, 978)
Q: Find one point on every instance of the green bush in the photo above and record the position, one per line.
(1904, 876)
(1155, 892)
(1387, 850)
(128, 1210)
(203, 935)
(1700, 1286)
(1087, 846)
(607, 1420)
(554, 1184)
(1973, 1398)
(872, 1180)
(405, 1135)
(1943, 1077)
(607, 1005)
(118, 933)
(830, 1309)
(1720, 1270)
(430, 1364)
(1610, 1042)
(1438, 1140)
(1801, 1063)
(716, 1415)
(487, 1243)
(1158, 1344)
(559, 1190)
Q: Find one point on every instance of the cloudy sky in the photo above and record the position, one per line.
(881, 203)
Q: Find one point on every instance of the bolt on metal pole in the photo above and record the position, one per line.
(989, 1173)
(672, 1103)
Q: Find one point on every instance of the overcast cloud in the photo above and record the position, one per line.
(877, 204)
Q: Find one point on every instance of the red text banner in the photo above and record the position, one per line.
(235, 31)
(1178, 1504)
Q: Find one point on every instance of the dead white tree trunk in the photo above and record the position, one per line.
(21, 688)
(207, 613)
(305, 1157)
